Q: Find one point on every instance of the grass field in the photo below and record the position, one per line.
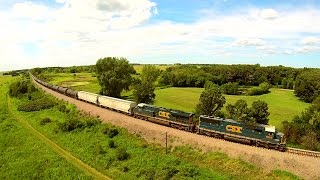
(25, 157)
(283, 105)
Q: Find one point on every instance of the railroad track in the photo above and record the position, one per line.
(303, 152)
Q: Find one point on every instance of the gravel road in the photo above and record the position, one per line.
(306, 167)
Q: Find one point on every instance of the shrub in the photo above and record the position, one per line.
(230, 88)
(111, 132)
(37, 105)
(90, 122)
(111, 144)
(20, 87)
(63, 108)
(263, 88)
(45, 121)
(122, 154)
(70, 125)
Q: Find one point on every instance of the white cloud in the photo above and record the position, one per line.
(269, 14)
(30, 10)
(311, 40)
(249, 42)
(308, 49)
(81, 31)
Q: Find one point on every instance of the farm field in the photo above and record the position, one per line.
(283, 105)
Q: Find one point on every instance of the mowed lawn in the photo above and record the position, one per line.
(283, 105)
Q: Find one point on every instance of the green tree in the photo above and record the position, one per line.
(150, 73)
(307, 85)
(114, 75)
(144, 88)
(210, 102)
(310, 140)
(259, 112)
(239, 111)
(211, 85)
(230, 88)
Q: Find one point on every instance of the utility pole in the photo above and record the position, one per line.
(166, 142)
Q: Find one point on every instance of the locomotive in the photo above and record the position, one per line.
(254, 134)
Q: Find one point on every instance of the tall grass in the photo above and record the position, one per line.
(23, 156)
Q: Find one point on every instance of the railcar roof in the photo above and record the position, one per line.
(118, 99)
(234, 121)
(181, 113)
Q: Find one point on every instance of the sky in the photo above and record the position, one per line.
(47, 33)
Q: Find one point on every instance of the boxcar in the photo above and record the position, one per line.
(62, 90)
(55, 88)
(89, 97)
(72, 93)
(117, 104)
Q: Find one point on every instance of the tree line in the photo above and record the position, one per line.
(304, 81)
(244, 75)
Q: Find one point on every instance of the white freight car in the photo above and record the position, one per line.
(89, 97)
(117, 104)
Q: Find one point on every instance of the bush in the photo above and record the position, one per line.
(45, 121)
(230, 88)
(90, 122)
(63, 108)
(111, 144)
(21, 87)
(37, 105)
(122, 154)
(111, 132)
(70, 125)
(263, 88)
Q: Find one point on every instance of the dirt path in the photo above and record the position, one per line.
(306, 167)
(65, 154)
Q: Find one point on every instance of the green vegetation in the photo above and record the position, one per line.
(263, 88)
(245, 75)
(36, 105)
(308, 85)
(304, 130)
(23, 156)
(210, 102)
(283, 105)
(126, 157)
(144, 87)
(114, 75)
(257, 113)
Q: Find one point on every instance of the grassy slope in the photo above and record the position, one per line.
(23, 155)
(283, 105)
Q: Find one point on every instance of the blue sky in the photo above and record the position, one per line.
(72, 32)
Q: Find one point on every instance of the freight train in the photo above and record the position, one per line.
(255, 134)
